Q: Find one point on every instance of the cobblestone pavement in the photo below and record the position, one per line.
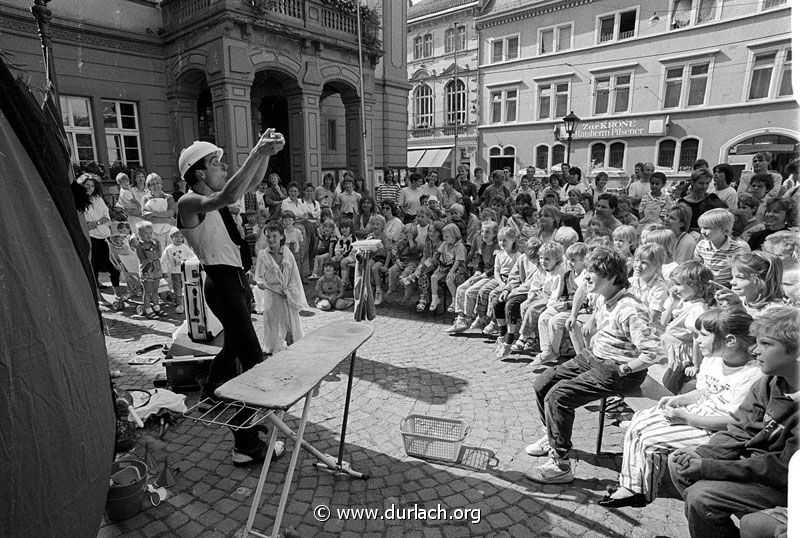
(410, 366)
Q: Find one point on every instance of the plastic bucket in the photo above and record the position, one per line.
(125, 501)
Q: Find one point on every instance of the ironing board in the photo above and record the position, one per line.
(272, 387)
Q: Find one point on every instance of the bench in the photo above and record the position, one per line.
(644, 396)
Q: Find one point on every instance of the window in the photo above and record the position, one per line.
(455, 37)
(688, 154)
(558, 154)
(455, 100)
(612, 93)
(332, 134)
(505, 49)
(675, 155)
(418, 47)
(553, 100)
(122, 133)
(666, 153)
(689, 12)
(423, 107)
(542, 157)
(607, 155)
(771, 74)
(76, 115)
(555, 39)
(503, 101)
(685, 85)
(427, 46)
(768, 4)
(616, 26)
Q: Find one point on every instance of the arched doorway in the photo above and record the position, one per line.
(784, 144)
(340, 119)
(270, 105)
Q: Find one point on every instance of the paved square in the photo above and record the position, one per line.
(410, 366)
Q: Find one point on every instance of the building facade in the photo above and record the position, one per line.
(442, 63)
(140, 79)
(656, 81)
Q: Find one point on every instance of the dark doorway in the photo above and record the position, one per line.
(274, 110)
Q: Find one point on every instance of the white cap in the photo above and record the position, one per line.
(433, 199)
(194, 153)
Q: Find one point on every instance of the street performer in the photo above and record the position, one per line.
(209, 228)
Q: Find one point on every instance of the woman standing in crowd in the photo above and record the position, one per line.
(698, 198)
(159, 208)
(274, 196)
(127, 201)
(97, 221)
(678, 220)
(761, 162)
(138, 188)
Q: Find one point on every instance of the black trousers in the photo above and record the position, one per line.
(227, 294)
(101, 261)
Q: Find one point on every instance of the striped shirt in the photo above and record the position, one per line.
(718, 260)
(624, 331)
(388, 191)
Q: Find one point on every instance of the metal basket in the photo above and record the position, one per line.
(433, 438)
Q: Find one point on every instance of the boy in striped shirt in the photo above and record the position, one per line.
(717, 248)
(623, 343)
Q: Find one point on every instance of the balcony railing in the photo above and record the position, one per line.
(451, 130)
(626, 35)
(313, 15)
(442, 131)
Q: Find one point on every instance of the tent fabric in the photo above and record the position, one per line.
(56, 415)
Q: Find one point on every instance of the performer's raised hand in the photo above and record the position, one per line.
(271, 142)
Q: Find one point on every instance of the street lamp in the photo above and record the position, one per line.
(570, 123)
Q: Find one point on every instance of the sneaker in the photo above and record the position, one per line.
(554, 471)
(378, 296)
(241, 459)
(460, 325)
(491, 328)
(539, 448)
(519, 345)
(503, 350)
(543, 358)
(314, 276)
(451, 309)
(477, 323)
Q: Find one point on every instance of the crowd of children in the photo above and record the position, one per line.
(655, 274)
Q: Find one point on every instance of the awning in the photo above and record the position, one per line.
(434, 158)
(413, 157)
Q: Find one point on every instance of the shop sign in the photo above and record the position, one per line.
(621, 128)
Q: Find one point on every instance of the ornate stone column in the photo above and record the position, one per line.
(232, 118)
(305, 140)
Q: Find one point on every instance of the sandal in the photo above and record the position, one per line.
(519, 345)
(421, 307)
(151, 315)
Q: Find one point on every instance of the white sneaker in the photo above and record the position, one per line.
(539, 448)
(491, 328)
(477, 323)
(503, 350)
(554, 471)
(378, 296)
(434, 303)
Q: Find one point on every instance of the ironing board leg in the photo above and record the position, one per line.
(287, 484)
(261, 479)
(346, 407)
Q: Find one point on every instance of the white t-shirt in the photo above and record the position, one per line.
(723, 388)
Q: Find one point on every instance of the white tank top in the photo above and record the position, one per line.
(211, 243)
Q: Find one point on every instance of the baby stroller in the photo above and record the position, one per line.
(125, 260)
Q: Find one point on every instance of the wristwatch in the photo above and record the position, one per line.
(626, 370)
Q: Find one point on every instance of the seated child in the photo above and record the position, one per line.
(525, 276)
(716, 248)
(452, 265)
(724, 379)
(624, 213)
(172, 258)
(330, 289)
(749, 206)
(480, 260)
(756, 283)
(625, 240)
(647, 283)
(744, 469)
(429, 262)
(343, 254)
(325, 245)
(553, 320)
(666, 240)
(573, 206)
(655, 205)
(690, 296)
(381, 257)
(407, 256)
(504, 263)
(551, 257)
